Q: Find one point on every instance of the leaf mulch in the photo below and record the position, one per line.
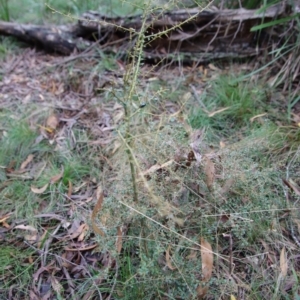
(64, 249)
(70, 91)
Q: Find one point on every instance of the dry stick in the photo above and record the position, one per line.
(137, 52)
(155, 200)
(47, 244)
(230, 251)
(129, 153)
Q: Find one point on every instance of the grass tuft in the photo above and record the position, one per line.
(229, 101)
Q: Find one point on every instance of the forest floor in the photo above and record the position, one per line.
(72, 224)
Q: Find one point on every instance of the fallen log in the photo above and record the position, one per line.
(188, 35)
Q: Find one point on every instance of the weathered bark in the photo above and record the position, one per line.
(55, 38)
(201, 36)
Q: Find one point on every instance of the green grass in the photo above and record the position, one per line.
(174, 207)
(41, 12)
(61, 12)
(229, 101)
(9, 46)
(17, 143)
(15, 270)
(18, 140)
(4, 10)
(253, 203)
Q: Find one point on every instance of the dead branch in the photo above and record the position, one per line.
(188, 35)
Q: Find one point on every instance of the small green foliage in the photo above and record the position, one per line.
(121, 8)
(106, 63)
(39, 12)
(15, 261)
(75, 170)
(129, 286)
(229, 102)
(4, 11)
(17, 142)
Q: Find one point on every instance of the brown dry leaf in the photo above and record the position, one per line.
(213, 67)
(292, 185)
(257, 116)
(82, 248)
(222, 145)
(52, 122)
(30, 237)
(70, 189)
(5, 225)
(83, 233)
(283, 262)
(168, 259)
(76, 229)
(26, 162)
(218, 111)
(96, 209)
(39, 190)
(26, 227)
(207, 260)
(67, 258)
(201, 292)
(3, 221)
(57, 177)
(209, 171)
(157, 167)
(119, 239)
(99, 191)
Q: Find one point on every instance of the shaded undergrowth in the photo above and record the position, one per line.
(177, 202)
(109, 198)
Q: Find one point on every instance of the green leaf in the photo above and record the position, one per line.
(273, 23)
